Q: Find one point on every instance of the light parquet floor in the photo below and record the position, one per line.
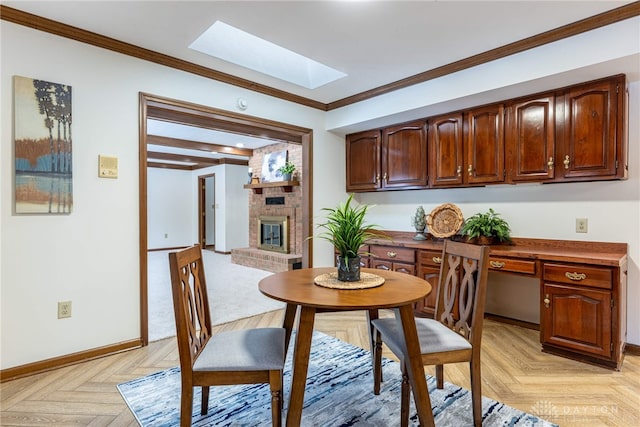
(514, 371)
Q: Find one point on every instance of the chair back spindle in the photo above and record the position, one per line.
(193, 319)
(461, 298)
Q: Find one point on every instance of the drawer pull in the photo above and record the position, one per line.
(437, 260)
(575, 276)
(392, 254)
(496, 264)
(550, 163)
(566, 162)
(546, 301)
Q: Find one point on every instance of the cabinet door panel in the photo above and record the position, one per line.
(531, 140)
(363, 161)
(590, 131)
(427, 306)
(404, 156)
(576, 318)
(446, 150)
(485, 145)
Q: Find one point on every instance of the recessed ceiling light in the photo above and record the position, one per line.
(233, 45)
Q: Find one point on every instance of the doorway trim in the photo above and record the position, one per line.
(175, 111)
(202, 208)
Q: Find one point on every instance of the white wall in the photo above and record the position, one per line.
(170, 210)
(91, 256)
(236, 200)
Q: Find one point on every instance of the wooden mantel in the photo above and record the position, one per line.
(287, 186)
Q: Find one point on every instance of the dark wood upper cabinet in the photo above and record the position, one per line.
(576, 133)
(387, 159)
(404, 156)
(593, 138)
(530, 139)
(363, 161)
(446, 150)
(485, 145)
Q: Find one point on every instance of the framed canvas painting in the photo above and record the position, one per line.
(42, 142)
(271, 162)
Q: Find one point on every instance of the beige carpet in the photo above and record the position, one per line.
(233, 292)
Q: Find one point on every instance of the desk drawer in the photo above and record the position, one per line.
(393, 253)
(512, 265)
(578, 274)
(430, 258)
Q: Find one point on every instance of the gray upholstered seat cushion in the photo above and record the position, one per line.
(434, 336)
(244, 350)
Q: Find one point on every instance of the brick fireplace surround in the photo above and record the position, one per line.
(292, 207)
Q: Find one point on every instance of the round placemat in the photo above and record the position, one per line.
(445, 220)
(330, 280)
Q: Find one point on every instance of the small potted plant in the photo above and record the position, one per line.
(286, 170)
(347, 230)
(486, 228)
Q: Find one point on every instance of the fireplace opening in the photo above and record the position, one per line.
(273, 233)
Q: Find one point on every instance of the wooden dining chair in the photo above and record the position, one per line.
(455, 332)
(231, 357)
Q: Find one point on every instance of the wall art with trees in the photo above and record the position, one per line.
(43, 147)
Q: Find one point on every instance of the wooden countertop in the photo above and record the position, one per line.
(578, 251)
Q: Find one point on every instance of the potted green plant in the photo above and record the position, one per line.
(346, 229)
(286, 170)
(486, 228)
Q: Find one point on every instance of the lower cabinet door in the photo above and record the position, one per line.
(427, 307)
(576, 318)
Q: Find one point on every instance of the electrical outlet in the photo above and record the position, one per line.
(64, 309)
(582, 225)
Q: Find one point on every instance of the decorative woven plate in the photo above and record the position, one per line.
(445, 220)
(330, 280)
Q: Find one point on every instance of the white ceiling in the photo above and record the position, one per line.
(374, 42)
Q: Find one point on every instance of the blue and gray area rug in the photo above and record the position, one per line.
(339, 393)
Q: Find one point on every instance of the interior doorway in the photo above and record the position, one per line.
(175, 111)
(207, 211)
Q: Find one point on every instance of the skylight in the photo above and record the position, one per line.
(233, 45)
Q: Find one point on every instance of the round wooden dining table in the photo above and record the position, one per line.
(299, 291)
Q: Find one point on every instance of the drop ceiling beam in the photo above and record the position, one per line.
(200, 146)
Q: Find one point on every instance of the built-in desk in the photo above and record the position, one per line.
(583, 288)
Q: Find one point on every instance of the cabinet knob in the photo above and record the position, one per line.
(437, 260)
(550, 163)
(470, 169)
(496, 264)
(566, 161)
(378, 179)
(384, 177)
(547, 301)
(392, 254)
(575, 276)
(459, 170)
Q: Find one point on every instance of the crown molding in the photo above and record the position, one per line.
(54, 27)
